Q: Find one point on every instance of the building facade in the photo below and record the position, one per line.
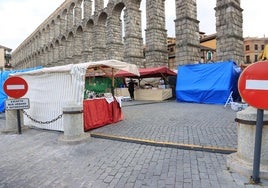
(5, 57)
(253, 46)
(206, 54)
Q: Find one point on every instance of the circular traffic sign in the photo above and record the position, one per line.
(15, 87)
(253, 85)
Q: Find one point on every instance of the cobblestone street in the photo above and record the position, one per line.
(37, 159)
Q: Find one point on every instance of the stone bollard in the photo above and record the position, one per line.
(11, 125)
(242, 161)
(73, 125)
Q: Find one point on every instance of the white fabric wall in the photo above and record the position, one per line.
(48, 94)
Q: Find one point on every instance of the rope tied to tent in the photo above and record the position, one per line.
(42, 122)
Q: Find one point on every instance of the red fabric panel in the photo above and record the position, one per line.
(99, 112)
(117, 112)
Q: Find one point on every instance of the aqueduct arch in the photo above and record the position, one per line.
(75, 33)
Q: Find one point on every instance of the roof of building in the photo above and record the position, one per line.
(255, 39)
(208, 37)
(207, 48)
(6, 48)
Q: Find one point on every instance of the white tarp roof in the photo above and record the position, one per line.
(118, 65)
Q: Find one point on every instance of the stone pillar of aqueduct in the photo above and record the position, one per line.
(74, 33)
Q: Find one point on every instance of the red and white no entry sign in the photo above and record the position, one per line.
(15, 87)
(253, 85)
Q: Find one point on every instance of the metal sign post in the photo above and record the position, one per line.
(255, 178)
(19, 124)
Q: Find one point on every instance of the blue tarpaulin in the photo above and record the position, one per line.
(208, 83)
(3, 76)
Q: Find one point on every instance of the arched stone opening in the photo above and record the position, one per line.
(70, 17)
(88, 41)
(56, 52)
(78, 45)
(50, 54)
(69, 48)
(114, 33)
(62, 50)
(100, 36)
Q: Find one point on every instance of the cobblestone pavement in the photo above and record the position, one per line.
(37, 159)
(186, 123)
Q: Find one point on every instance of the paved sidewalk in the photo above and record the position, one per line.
(37, 159)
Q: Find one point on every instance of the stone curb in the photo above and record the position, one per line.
(165, 144)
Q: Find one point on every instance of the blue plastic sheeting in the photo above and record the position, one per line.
(208, 83)
(3, 76)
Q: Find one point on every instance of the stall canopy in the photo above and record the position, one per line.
(207, 83)
(103, 68)
(148, 73)
(111, 67)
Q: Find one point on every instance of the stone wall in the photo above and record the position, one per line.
(229, 27)
(75, 34)
(187, 32)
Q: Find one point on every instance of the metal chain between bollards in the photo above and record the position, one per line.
(42, 122)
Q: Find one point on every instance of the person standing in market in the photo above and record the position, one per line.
(131, 88)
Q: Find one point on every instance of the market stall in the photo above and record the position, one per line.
(51, 89)
(152, 84)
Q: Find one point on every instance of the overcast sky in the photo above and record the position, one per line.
(19, 18)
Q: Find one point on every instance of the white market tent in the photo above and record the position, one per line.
(51, 89)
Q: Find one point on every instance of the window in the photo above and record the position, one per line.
(256, 58)
(247, 47)
(256, 46)
(209, 55)
(262, 47)
(247, 59)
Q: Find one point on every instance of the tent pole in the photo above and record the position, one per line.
(112, 82)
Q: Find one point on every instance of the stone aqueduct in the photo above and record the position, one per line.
(73, 33)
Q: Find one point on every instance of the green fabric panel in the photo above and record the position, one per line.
(101, 84)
